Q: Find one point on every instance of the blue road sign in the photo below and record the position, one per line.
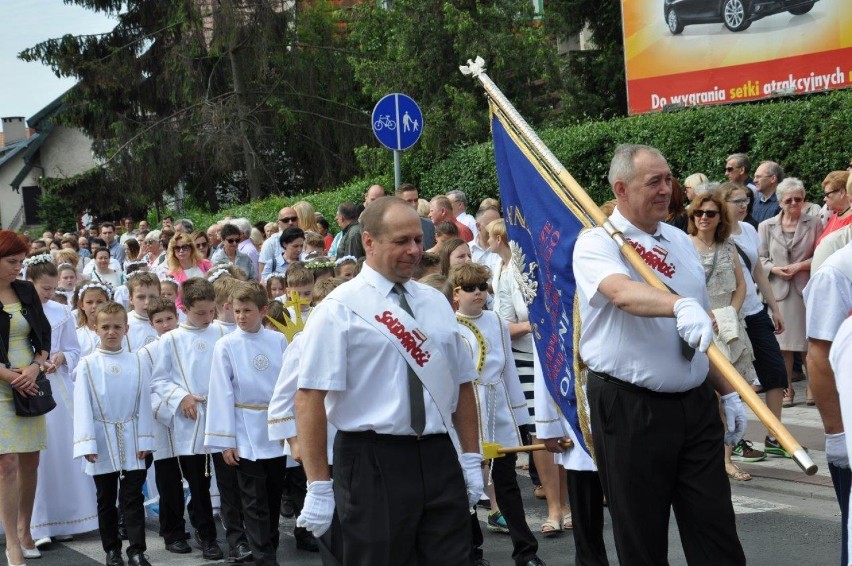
(397, 121)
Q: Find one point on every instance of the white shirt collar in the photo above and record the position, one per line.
(382, 284)
(630, 231)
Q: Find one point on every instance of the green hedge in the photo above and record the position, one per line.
(808, 136)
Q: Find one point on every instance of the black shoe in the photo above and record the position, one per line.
(534, 561)
(138, 560)
(305, 540)
(179, 547)
(210, 550)
(113, 558)
(240, 554)
(288, 509)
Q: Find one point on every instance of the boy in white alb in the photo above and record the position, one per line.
(142, 287)
(162, 315)
(246, 364)
(500, 402)
(181, 379)
(113, 431)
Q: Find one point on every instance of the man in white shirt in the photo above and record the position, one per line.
(654, 412)
(479, 246)
(403, 494)
(828, 302)
(459, 201)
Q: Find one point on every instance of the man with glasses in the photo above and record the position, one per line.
(766, 178)
(737, 168)
(271, 248)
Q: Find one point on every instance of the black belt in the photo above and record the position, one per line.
(642, 390)
(373, 435)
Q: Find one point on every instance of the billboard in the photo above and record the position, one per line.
(699, 52)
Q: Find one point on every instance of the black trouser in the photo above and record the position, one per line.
(508, 495)
(230, 507)
(170, 486)
(527, 431)
(129, 491)
(655, 452)
(197, 471)
(400, 500)
(261, 483)
(586, 498)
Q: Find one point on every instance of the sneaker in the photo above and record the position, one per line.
(744, 452)
(496, 523)
(773, 447)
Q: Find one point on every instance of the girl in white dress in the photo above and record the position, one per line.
(65, 497)
(90, 295)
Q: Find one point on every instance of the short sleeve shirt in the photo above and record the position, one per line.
(645, 351)
(828, 296)
(364, 374)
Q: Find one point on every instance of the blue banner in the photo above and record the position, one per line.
(542, 230)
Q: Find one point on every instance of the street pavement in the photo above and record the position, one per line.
(783, 517)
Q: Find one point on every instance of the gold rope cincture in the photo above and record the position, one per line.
(491, 398)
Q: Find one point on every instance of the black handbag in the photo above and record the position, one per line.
(39, 404)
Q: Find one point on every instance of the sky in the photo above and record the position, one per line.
(26, 88)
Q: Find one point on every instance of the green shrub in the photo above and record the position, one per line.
(809, 136)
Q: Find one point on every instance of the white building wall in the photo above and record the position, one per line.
(67, 152)
(12, 201)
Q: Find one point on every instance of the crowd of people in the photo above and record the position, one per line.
(243, 361)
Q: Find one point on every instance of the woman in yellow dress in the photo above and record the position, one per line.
(25, 334)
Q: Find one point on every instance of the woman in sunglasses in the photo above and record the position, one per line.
(710, 228)
(787, 244)
(229, 253)
(183, 260)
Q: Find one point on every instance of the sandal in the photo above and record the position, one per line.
(789, 398)
(551, 528)
(735, 473)
(539, 492)
(567, 522)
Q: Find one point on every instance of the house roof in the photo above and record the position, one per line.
(7, 153)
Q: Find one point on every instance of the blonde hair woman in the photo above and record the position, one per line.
(307, 216)
(183, 260)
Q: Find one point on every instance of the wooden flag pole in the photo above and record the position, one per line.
(562, 180)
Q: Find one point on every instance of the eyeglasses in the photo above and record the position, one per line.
(792, 200)
(289, 219)
(183, 248)
(739, 201)
(233, 240)
(729, 169)
(829, 193)
(472, 288)
(707, 213)
(200, 244)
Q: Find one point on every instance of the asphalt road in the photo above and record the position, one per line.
(783, 518)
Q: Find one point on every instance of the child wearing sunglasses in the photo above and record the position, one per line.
(501, 406)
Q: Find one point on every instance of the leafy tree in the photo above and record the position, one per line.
(226, 98)
(416, 47)
(594, 79)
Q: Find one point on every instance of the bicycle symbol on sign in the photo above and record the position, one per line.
(384, 121)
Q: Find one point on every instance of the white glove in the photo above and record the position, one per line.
(735, 415)
(835, 450)
(471, 463)
(318, 508)
(693, 323)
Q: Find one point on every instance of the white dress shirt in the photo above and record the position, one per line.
(645, 351)
(828, 296)
(364, 374)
